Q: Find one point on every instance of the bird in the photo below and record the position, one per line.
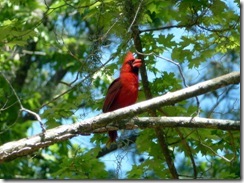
(123, 91)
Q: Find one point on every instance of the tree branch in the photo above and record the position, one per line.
(38, 118)
(12, 150)
(169, 122)
(188, 152)
(166, 152)
(148, 94)
(187, 122)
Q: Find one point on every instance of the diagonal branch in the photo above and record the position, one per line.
(21, 106)
(12, 150)
(188, 152)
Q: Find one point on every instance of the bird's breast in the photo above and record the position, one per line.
(129, 90)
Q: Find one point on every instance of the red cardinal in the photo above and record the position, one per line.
(123, 91)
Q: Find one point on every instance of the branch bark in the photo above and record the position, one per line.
(12, 150)
(148, 94)
(169, 122)
(187, 122)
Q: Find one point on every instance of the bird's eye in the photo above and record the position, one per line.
(130, 62)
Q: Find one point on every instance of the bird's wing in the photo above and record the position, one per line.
(113, 92)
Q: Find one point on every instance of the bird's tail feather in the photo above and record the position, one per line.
(112, 138)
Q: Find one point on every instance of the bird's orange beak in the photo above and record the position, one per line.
(137, 63)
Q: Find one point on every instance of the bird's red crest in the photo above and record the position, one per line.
(129, 56)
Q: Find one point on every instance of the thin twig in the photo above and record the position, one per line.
(226, 159)
(233, 145)
(36, 116)
(178, 65)
(181, 73)
(105, 35)
(132, 23)
(223, 157)
(79, 7)
(188, 152)
(165, 27)
(21, 106)
(77, 84)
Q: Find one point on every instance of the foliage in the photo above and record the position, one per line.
(58, 57)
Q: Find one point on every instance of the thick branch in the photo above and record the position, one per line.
(148, 95)
(169, 122)
(166, 152)
(172, 122)
(29, 145)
